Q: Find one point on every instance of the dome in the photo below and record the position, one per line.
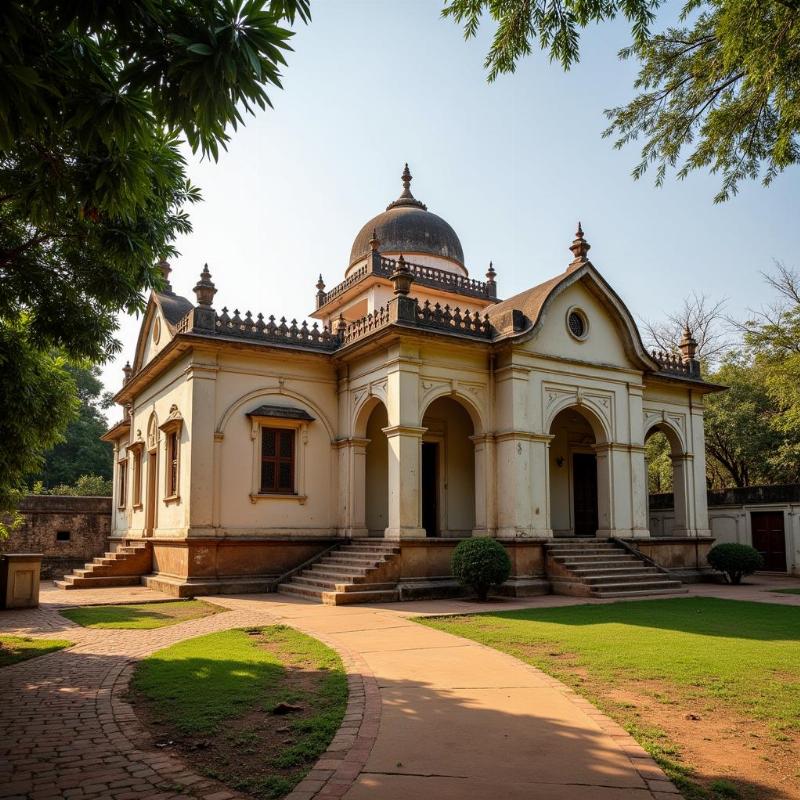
(408, 227)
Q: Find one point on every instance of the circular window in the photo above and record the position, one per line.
(576, 322)
(156, 330)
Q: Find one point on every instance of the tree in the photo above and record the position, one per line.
(82, 453)
(721, 91)
(659, 463)
(93, 187)
(706, 320)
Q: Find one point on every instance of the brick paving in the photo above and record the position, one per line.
(67, 731)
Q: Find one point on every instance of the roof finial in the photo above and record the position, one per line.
(204, 288)
(580, 247)
(127, 371)
(490, 273)
(320, 291)
(407, 177)
(374, 242)
(165, 270)
(401, 277)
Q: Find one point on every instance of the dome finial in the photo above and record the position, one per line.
(406, 198)
(407, 177)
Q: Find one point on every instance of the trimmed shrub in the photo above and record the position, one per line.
(735, 560)
(480, 563)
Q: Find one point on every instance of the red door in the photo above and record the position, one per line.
(769, 539)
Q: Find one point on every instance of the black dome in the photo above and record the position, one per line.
(408, 227)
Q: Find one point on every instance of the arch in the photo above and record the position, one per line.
(469, 405)
(268, 391)
(152, 431)
(672, 432)
(448, 473)
(376, 472)
(362, 414)
(580, 496)
(601, 426)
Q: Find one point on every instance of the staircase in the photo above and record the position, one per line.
(603, 568)
(121, 567)
(361, 571)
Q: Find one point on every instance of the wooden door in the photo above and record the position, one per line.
(430, 488)
(769, 538)
(584, 493)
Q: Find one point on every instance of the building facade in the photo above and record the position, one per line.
(417, 407)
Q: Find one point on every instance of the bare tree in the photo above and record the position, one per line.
(705, 319)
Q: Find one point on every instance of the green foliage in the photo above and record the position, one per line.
(141, 616)
(721, 91)
(93, 188)
(659, 463)
(479, 563)
(735, 560)
(37, 401)
(82, 457)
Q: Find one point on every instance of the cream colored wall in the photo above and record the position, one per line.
(151, 347)
(603, 343)
(171, 519)
(424, 259)
(241, 383)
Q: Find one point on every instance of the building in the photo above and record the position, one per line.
(416, 409)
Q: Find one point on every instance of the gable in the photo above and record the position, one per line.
(603, 339)
(158, 327)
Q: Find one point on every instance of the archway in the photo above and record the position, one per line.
(666, 473)
(580, 502)
(376, 473)
(447, 478)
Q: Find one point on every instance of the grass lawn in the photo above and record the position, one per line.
(21, 648)
(214, 700)
(711, 688)
(141, 615)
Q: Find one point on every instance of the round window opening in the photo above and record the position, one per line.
(577, 324)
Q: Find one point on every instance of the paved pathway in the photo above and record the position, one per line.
(430, 715)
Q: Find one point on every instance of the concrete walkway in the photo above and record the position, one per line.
(431, 715)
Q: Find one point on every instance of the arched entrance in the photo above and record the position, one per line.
(376, 474)
(580, 502)
(447, 467)
(667, 472)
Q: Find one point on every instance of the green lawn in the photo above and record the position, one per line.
(20, 648)
(141, 615)
(213, 698)
(716, 657)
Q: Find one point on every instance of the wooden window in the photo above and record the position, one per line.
(137, 477)
(277, 460)
(122, 485)
(172, 463)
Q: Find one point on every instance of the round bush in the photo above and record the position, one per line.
(480, 563)
(735, 560)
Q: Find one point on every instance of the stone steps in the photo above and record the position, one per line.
(352, 573)
(124, 566)
(605, 569)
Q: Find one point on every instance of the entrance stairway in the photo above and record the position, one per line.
(361, 571)
(604, 568)
(121, 567)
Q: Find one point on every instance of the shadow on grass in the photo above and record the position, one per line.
(706, 616)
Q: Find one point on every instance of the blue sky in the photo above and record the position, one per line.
(511, 166)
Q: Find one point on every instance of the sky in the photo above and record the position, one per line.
(512, 166)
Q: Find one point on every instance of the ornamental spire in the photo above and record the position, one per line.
(204, 289)
(406, 198)
(165, 269)
(580, 247)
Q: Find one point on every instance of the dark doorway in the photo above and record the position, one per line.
(769, 539)
(584, 490)
(430, 488)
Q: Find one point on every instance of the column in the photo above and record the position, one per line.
(353, 463)
(200, 492)
(681, 493)
(404, 482)
(485, 503)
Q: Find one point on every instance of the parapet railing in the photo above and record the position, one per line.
(432, 277)
(280, 332)
(673, 364)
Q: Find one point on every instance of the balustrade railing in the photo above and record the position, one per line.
(674, 364)
(432, 277)
(280, 332)
(359, 328)
(456, 320)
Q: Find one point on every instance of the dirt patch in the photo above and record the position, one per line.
(719, 749)
(268, 749)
